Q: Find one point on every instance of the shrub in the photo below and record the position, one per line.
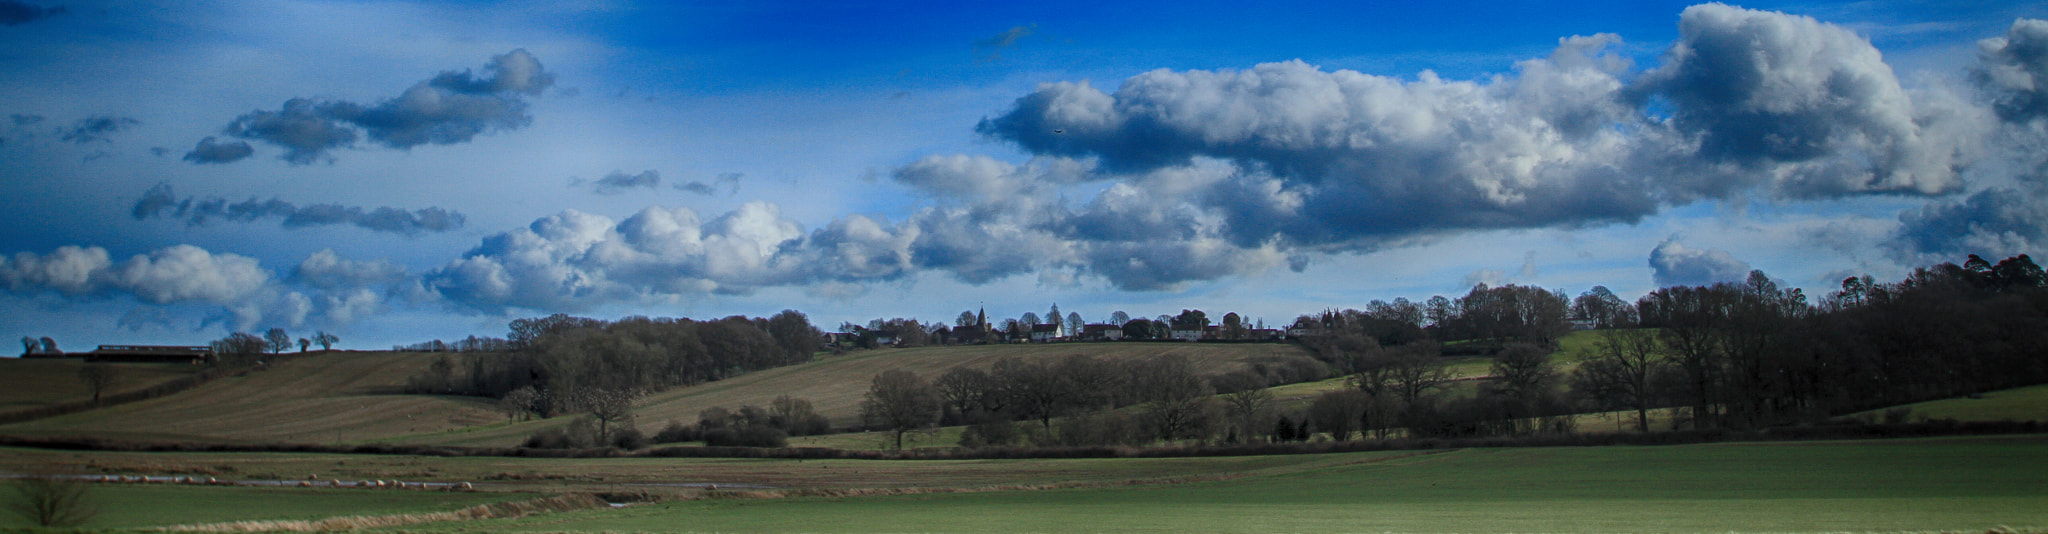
(630, 439)
(52, 501)
(676, 432)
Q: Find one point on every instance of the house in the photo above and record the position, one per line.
(835, 340)
(151, 354)
(1102, 332)
(1044, 333)
(1265, 334)
(884, 338)
(1187, 334)
(1585, 324)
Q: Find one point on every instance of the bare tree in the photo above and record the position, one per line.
(279, 340)
(50, 346)
(53, 501)
(1248, 408)
(305, 344)
(610, 406)
(901, 402)
(1174, 397)
(29, 345)
(518, 402)
(1619, 374)
(325, 340)
(98, 376)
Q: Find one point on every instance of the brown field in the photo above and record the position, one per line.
(322, 398)
(39, 382)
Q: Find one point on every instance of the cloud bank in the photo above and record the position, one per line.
(450, 108)
(161, 202)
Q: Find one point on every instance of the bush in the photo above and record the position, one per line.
(990, 432)
(52, 501)
(747, 436)
(629, 439)
(676, 432)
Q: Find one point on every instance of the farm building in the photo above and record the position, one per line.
(151, 354)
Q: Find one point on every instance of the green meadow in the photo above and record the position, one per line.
(1948, 484)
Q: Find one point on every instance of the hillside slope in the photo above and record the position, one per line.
(39, 382)
(318, 398)
(835, 384)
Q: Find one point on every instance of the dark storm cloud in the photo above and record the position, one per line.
(95, 129)
(161, 202)
(450, 108)
(16, 12)
(211, 151)
(1672, 264)
(1993, 222)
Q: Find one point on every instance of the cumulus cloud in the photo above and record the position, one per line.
(325, 288)
(2014, 70)
(327, 270)
(16, 12)
(211, 151)
(1806, 104)
(618, 182)
(96, 129)
(2010, 217)
(160, 201)
(1673, 264)
(450, 108)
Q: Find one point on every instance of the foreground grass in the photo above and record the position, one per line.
(138, 506)
(1953, 484)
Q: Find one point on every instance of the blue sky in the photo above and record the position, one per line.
(395, 171)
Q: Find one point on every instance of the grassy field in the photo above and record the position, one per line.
(2017, 404)
(324, 398)
(1950, 484)
(38, 382)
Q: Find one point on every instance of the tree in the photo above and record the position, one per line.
(1058, 322)
(966, 319)
(1618, 375)
(325, 340)
(1233, 326)
(1173, 396)
(1030, 389)
(1119, 317)
(609, 406)
(98, 377)
(239, 348)
(900, 401)
(1338, 412)
(53, 501)
(308, 343)
(278, 339)
(1029, 320)
(50, 346)
(967, 389)
(1074, 323)
(29, 345)
(1138, 329)
(1248, 407)
(518, 402)
(1523, 376)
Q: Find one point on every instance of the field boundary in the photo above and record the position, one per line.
(501, 510)
(1682, 437)
(161, 389)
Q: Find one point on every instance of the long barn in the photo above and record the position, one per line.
(151, 354)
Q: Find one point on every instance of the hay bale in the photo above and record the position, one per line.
(465, 486)
(305, 483)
